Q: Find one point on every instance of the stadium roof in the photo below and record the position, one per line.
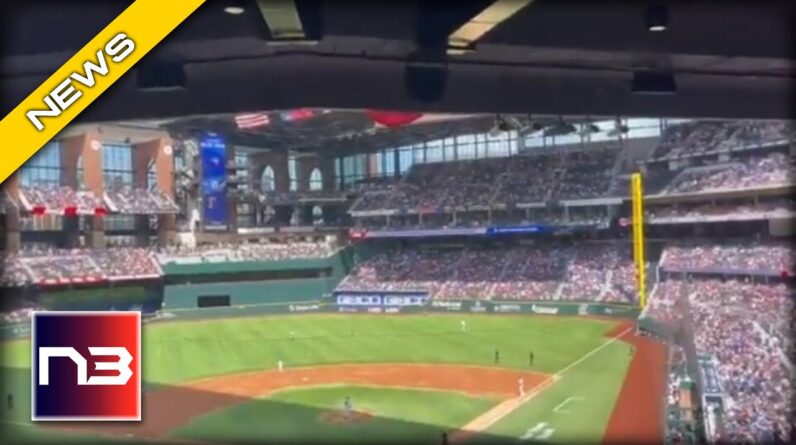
(341, 131)
(729, 59)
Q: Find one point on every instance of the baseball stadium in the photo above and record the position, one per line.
(347, 274)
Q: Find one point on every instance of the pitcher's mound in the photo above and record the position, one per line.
(340, 417)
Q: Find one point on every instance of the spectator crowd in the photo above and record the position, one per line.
(742, 326)
(704, 137)
(59, 266)
(244, 252)
(740, 257)
(588, 272)
(59, 199)
(139, 201)
(498, 181)
(746, 211)
(773, 169)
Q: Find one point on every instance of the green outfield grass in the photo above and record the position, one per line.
(577, 408)
(183, 351)
(402, 415)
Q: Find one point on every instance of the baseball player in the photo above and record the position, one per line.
(497, 356)
(347, 407)
(530, 359)
(463, 324)
(280, 365)
(521, 386)
(10, 401)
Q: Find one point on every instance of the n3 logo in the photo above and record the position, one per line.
(122, 366)
(86, 366)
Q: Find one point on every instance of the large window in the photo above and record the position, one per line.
(81, 174)
(267, 180)
(242, 159)
(245, 214)
(292, 172)
(117, 171)
(117, 164)
(151, 177)
(44, 168)
(316, 180)
(353, 169)
(454, 148)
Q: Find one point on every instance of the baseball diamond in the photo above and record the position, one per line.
(455, 279)
(217, 379)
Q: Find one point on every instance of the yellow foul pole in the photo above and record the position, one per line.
(638, 238)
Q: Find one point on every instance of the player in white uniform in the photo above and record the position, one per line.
(521, 386)
(347, 407)
(463, 324)
(280, 365)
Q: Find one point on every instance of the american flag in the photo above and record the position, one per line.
(297, 114)
(253, 120)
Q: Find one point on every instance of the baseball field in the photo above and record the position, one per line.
(407, 378)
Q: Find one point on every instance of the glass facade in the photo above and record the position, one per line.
(245, 210)
(151, 177)
(267, 180)
(292, 172)
(117, 164)
(388, 162)
(117, 171)
(316, 180)
(44, 168)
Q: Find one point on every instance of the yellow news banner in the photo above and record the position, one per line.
(75, 85)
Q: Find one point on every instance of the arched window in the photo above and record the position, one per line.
(316, 180)
(317, 216)
(267, 181)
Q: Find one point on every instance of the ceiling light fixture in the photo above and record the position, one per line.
(657, 18)
(234, 10)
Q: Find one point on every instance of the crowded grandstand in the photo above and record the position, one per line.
(538, 212)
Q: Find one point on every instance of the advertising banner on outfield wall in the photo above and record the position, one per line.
(540, 308)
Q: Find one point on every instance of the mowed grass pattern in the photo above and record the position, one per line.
(184, 351)
(176, 352)
(399, 415)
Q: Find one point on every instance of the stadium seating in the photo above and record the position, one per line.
(774, 169)
(59, 200)
(15, 273)
(779, 207)
(662, 302)
(484, 182)
(742, 325)
(244, 252)
(600, 272)
(138, 201)
(704, 137)
(769, 258)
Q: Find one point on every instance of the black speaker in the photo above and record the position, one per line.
(653, 82)
(160, 74)
(426, 81)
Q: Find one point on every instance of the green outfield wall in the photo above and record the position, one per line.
(8, 332)
(181, 293)
(187, 296)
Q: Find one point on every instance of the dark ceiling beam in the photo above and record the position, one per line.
(307, 81)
